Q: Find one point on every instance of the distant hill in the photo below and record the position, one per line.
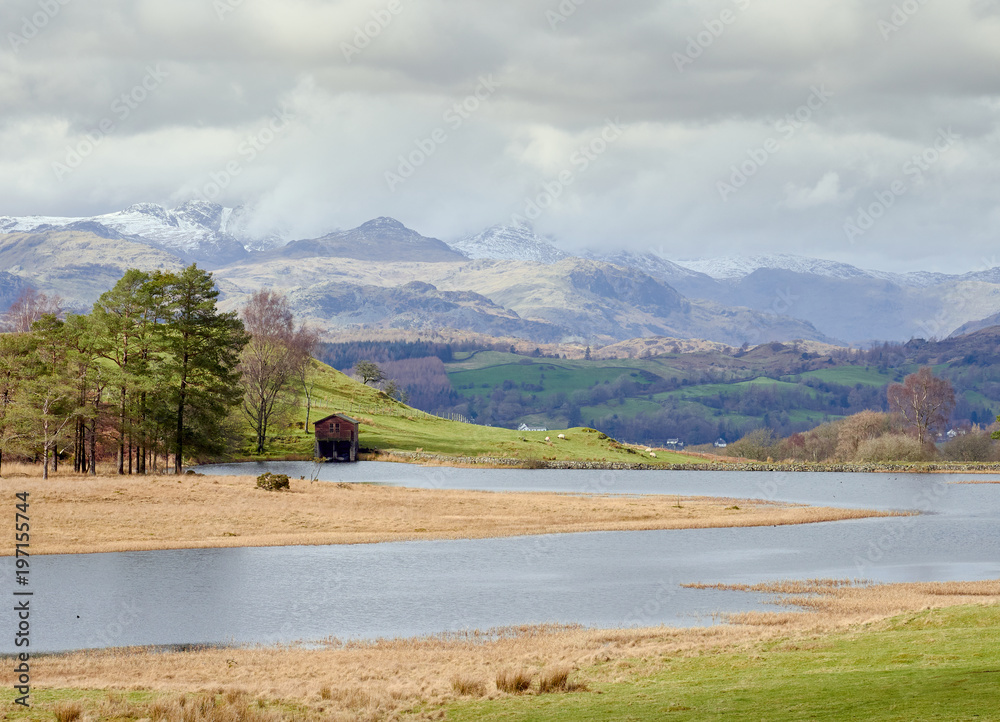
(383, 240)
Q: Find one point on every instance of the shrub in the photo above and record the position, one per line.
(273, 482)
(513, 682)
(893, 447)
(758, 445)
(970, 447)
(865, 426)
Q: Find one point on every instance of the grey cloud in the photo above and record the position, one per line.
(564, 71)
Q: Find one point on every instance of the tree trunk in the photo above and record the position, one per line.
(178, 460)
(121, 436)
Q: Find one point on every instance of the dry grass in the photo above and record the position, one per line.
(68, 711)
(513, 681)
(82, 514)
(382, 679)
(468, 687)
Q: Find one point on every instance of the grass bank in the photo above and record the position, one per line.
(78, 514)
(908, 651)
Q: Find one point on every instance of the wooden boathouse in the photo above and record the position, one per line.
(337, 438)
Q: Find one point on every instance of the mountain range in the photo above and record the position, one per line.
(503, 281)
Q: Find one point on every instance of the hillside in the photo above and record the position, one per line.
(390, 426)
(696, 394)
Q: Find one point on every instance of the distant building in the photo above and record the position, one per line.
(675, 444)
(525, 427)
(720, 443)
(337, 438)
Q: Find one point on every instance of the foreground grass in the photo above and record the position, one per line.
(78, 514)
(908, 651)
(931, 665)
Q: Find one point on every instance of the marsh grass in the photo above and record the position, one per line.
(82, 514)
(513, 681)
(68, 711)
(468, 687)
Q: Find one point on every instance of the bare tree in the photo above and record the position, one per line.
(29, 307)
(924, 401)
(275, 357)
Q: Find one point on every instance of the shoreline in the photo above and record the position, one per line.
(491, 462)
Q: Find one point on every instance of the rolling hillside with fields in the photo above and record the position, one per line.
(699, 396)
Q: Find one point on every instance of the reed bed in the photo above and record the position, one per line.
(83, 514)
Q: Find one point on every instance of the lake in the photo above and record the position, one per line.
(601, 579)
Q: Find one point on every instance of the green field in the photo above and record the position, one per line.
(933, 665)
(852, 375)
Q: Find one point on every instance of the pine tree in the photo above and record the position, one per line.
(201, 352)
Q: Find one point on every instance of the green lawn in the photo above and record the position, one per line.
(934, 665)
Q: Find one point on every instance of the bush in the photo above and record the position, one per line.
(758, 445)
(893, 447)
(273, 482)
(970, 447)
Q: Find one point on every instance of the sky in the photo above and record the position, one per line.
(864, 131)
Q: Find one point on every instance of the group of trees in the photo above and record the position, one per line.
(153, 367)
(919, 409)
(155, 371)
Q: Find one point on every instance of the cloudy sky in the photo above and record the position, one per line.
(858, 130)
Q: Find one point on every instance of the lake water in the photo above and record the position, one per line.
(603, 579)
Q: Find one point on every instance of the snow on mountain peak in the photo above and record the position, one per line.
(512, 243)
(729, 267)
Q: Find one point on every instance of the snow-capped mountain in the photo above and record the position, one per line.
(509, 243)
(196, 230)
(730, 268)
